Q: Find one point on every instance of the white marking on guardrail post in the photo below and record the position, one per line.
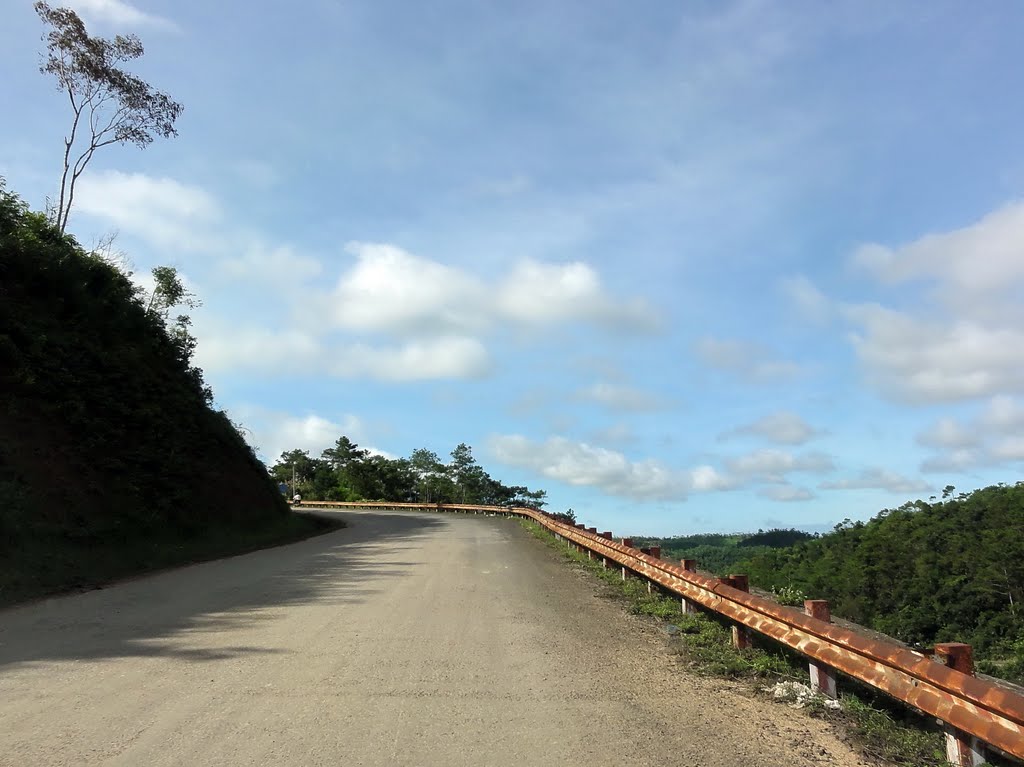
(690, 565)
(962, 749)
(823, 678)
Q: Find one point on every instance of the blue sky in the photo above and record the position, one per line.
(687, 266)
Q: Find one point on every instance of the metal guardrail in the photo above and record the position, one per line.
(979, 709)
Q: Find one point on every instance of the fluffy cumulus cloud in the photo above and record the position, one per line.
(580, 464)
(990, 438)
(782, 428)
(773, 465)
(272, 432)
(960, 342)
(919, 360)
(391, 290)
(422, 360)
(750, 362)
(538, 294)
(162, 211)
(117, 13)
(391, 315)
(878, 479)
(295, 353)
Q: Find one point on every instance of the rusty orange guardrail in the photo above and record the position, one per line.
(980, 709)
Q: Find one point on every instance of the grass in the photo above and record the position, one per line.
(51, 565)
(882, 728)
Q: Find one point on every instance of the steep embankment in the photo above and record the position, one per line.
(111, 459)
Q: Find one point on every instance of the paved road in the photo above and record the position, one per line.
(405, 639)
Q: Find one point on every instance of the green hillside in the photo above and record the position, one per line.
(923, 573)
(112, 460)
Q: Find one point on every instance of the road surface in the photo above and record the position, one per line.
(404, 639)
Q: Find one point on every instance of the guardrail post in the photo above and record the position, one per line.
(962, 749)
(593, 530)
(690, 565)
(628, 543)
(741, 638)
(823, 678)
(607, 535)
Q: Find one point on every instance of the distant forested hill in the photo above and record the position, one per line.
(722, 553)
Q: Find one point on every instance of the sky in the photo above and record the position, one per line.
(688, 266)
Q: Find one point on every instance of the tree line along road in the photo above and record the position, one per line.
(403, 639)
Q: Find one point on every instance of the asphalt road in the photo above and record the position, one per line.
(405, 639)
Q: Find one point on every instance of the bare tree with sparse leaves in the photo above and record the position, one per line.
(110, 106)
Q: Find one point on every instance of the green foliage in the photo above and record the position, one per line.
(347, 472)
(724, 553)
(107, 430)
(923, 573)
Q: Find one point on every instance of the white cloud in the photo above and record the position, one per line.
(1009, 449)
(580, 464)
(536, 294)
(772, 465)
(916, 360)
(274, 432)
(285, 352)
(961, 342)
(1003, 415)
(808, 301)
(953, 461)
(620, 397)
(947, 433)
(878, 479)
(429, 359)
(162, 211)
(295, 353)
(786, 493)
(708, 478)
(983, 259)
(389, 289)
(117, 12)
(783, 428)
(751, 362)
(989, 439)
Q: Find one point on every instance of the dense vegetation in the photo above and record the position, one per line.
(347, 472)
(111, 458)
(926, 572)
(721, 553)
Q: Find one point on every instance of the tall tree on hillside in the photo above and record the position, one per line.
(109, 105)
(463, 469)
(430, 474)
(344, 453)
